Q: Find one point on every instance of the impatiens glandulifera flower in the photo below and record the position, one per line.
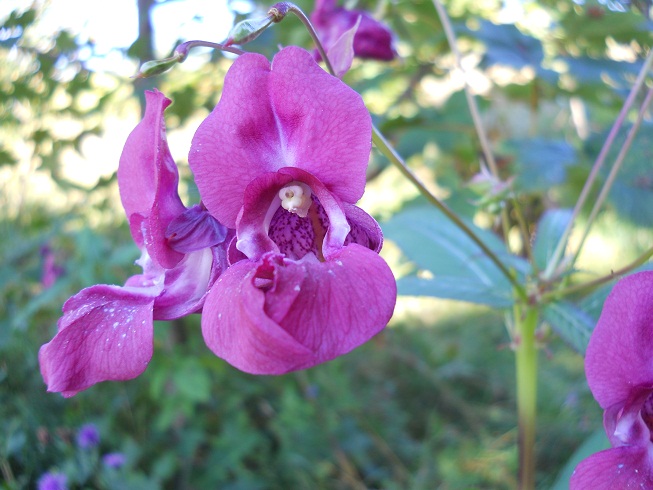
(619, 369)
(106, 331)
(292, 143)
(373, 39)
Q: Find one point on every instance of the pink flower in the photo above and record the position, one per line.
(619, 369)
(372, 40)
(282, 159)
(106, 331)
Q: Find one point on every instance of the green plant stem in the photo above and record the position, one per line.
(312, 32)
(384, 147)
(586, 287)
(613, 172)
(184, 48)
(600, 159)
(526, 373)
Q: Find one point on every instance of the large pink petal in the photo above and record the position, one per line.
(617, 468)
(148, 179)
(620, 351)
(291, 115)
(104, 334)
(274, 316)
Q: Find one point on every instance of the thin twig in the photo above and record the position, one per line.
(590, 285)
(471, 101)
(613, 172)
(557, 254)
(473, 107)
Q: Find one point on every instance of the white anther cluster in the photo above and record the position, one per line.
(296, 198)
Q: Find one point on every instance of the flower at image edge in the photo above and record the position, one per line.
(619, 370)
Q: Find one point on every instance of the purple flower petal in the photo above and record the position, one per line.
(616, 468)
(341, 52)
(53, 481)
(187, 284)
(194, 230)
(620, 350)
(364, 229)
(104, 334)
(373, 39)
(114, 460)
(88, 436)
(148, 179)
(292, 114)
(274, 316)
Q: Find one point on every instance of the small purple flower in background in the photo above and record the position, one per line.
(292, 143)
(114, 460)
(53, 481)
(50, 271)
(619, 369)
(88, 436)
(106, 331)
(373, 39)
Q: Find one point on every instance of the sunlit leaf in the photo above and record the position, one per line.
(449, 264)
(540, 163)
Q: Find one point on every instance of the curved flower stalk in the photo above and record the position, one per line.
(292, 143)
(373, 39)
(619, 371)
(106, 331)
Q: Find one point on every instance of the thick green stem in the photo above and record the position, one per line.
(526, 367)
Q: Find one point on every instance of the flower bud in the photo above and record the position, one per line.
(248, 30)
(157, 67)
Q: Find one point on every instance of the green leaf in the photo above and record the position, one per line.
(457, 267)
(549, 231)
(540, 163)
(591, 70)
(508, 46)
(632, 191)
(593, 444)
(571, 322)
(192, 381)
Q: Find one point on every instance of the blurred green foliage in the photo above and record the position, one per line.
(429, 403)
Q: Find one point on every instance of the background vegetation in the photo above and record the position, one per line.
(427, 404)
